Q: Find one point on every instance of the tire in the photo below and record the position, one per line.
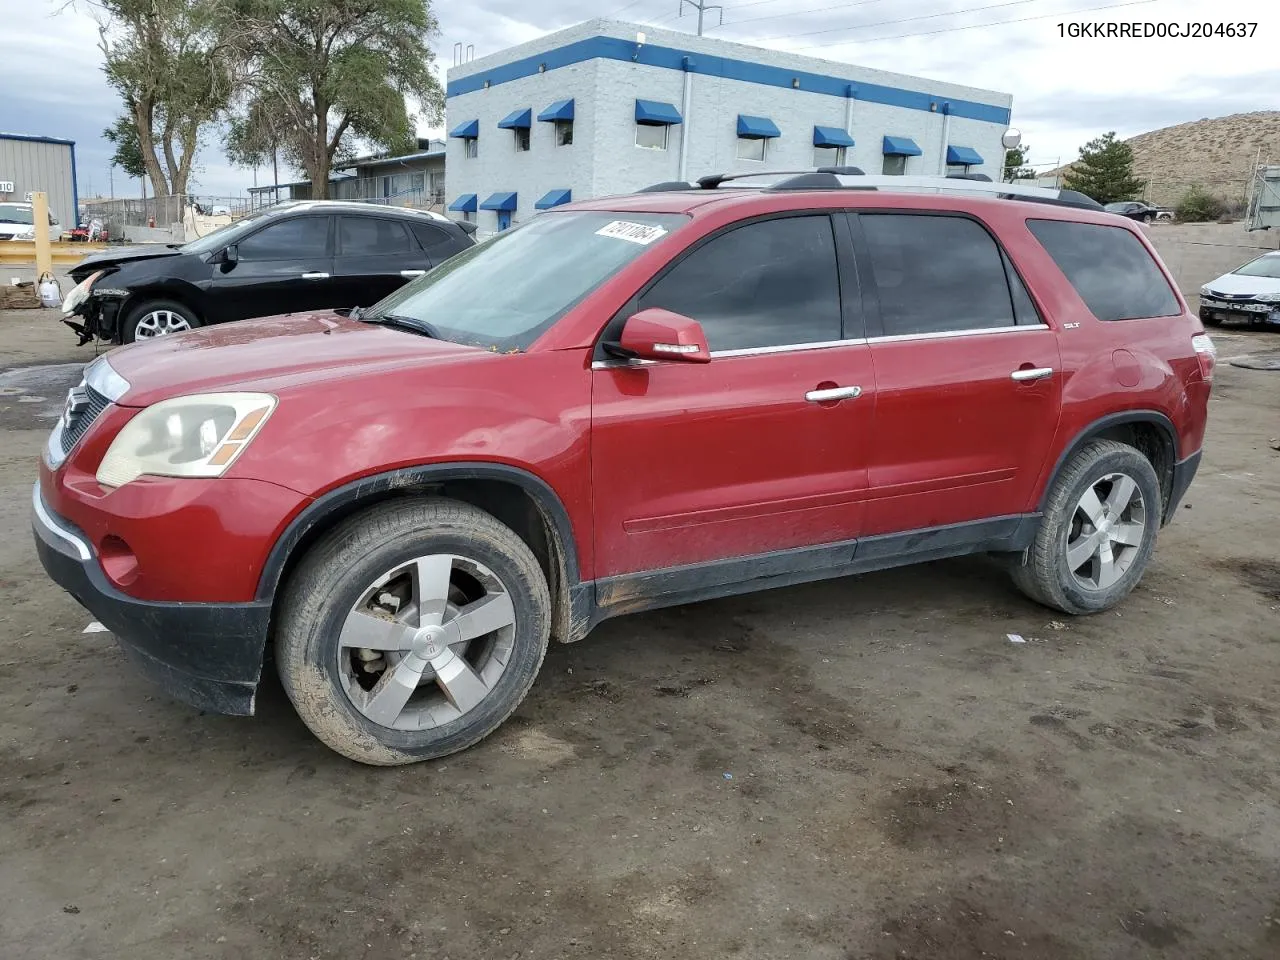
(165, 316)
(1148, 219)
(327, 676)
(1047, 574)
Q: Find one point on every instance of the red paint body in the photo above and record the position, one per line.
(658, 465)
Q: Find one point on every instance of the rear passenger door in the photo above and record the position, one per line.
(967, 374)
(742, 456)
(375, 256)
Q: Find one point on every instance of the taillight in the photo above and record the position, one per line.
(1206, 353)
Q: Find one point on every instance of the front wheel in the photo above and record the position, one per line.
(157, 318)
(412, 631)
(1097, 532)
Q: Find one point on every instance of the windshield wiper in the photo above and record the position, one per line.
(399, 320)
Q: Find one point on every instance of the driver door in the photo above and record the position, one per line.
(696, 463)
(285, 267)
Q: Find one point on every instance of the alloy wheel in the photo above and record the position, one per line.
(1107, 531)
(426, 642)
(157, 323)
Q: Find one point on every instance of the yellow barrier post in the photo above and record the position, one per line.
(40, 218)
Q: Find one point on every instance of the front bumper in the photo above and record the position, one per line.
(1255, 312)
(206, 654)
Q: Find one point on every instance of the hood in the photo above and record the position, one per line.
(1233, 284)
(118, 255)
(273, 354)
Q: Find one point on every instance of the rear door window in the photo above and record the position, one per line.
(937, 274)
(372, 237)
(438, 242)
(1109, 267)
(766, 284)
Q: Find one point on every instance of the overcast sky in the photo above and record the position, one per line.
(1065, 90)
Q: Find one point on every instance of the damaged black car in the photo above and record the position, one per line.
(293, 256)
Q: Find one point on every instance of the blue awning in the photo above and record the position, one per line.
(656, 114)
(900, 147)
(517, 118)
(964, 155)
(553, 198)
(831, 137)
(757, 128)
(560, 110)
(466, 130)
(464, 204)
(500, 201)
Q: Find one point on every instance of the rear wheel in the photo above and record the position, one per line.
(412, 631)
(157, 318)
(1097, 533)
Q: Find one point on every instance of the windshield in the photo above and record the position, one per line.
(506, 291)
(15, 213)
(225, 236)
(1267, 265)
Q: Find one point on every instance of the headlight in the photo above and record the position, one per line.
(1269, 297)
(1204, 291)
(27, 234)
(196, 436)
(79, 293)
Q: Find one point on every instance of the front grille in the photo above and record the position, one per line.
(76, 425)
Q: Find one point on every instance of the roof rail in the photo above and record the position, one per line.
(667, 186)
(835, 178)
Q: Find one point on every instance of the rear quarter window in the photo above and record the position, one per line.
(1109, 267)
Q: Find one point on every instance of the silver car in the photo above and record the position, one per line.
(1249, 293)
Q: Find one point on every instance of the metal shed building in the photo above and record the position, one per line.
(30, 163)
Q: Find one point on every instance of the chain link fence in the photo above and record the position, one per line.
(181, 216)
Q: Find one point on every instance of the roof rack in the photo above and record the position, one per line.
(845, 178)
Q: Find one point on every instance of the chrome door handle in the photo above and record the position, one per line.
(1035, 373)
(833, 393)
(315, 276)
(410, 274)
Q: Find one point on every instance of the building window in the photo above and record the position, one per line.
(651, 136)
(564, 133)
(957, 168)
(472, 147)
(828, 156)
(751, 148)
(522, 139)
(895, 165)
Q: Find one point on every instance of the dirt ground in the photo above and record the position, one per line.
(864, 768)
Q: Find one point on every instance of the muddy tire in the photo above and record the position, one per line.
(412, 630)
(1097, 533)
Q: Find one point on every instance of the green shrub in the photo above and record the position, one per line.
(1198, 205)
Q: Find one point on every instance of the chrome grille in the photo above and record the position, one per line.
(76, 424)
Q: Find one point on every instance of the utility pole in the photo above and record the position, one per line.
(702, 7)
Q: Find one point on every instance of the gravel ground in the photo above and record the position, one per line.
(864, 768)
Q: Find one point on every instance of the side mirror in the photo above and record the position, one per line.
(229, 254)
(657, 334)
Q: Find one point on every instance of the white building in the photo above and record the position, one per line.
(592, 110)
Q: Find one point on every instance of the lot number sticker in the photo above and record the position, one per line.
(641, 233)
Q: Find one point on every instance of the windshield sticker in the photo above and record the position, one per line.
(641, 233)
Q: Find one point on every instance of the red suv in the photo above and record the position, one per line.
(624, 404)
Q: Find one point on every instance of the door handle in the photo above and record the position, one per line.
(410, 274)
(315, 276)
(833, 393)
(1032, 373)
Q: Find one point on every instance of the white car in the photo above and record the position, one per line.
(16, 221)
(1250, 293)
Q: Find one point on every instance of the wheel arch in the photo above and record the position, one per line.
(1151, 432)
(516, 497)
